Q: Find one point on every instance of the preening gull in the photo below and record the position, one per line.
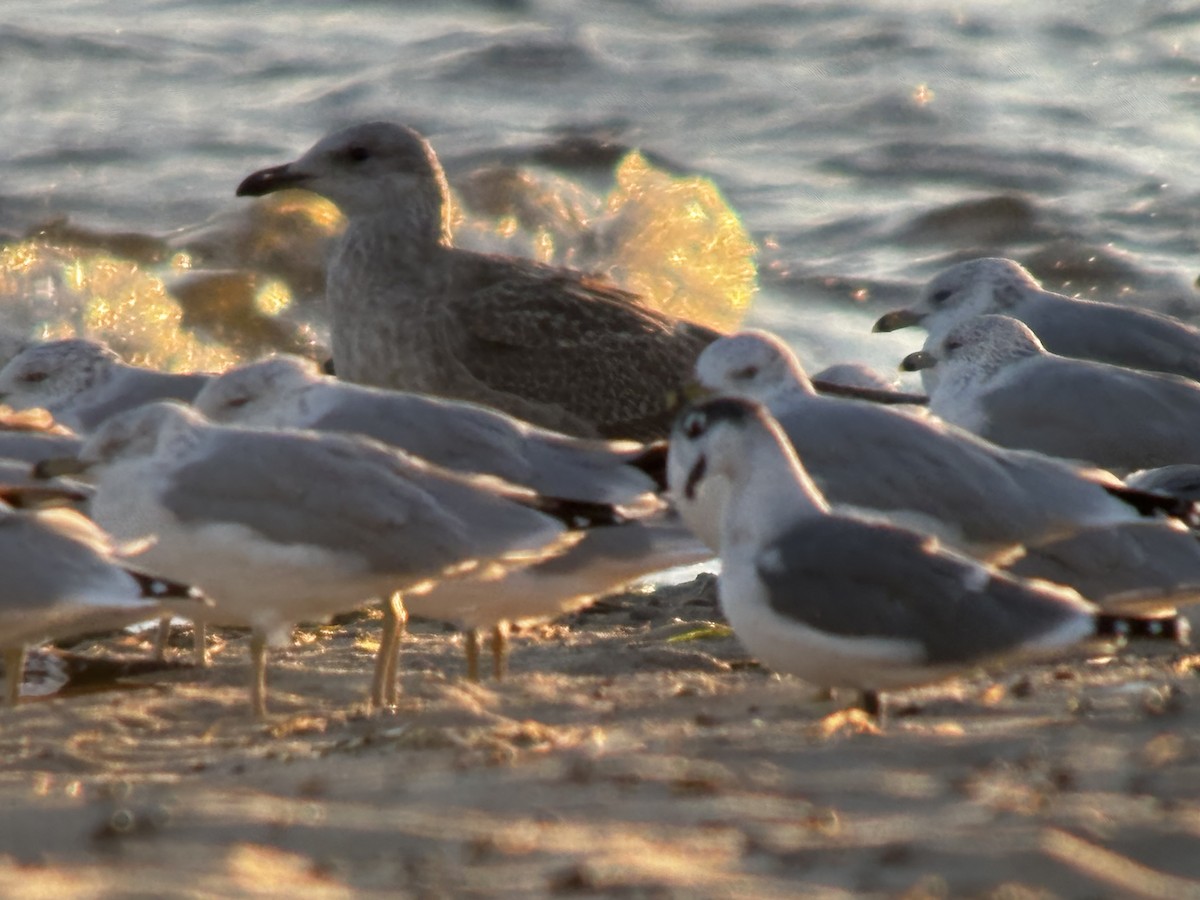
(289, 392)
(83, 382)
(915, 470)
(997, 380)
(279, 527)
(409, 310)
(1082, 329)
(842, 602)
(62, 577)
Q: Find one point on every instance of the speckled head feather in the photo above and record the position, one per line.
(53, 372)
(978, 286)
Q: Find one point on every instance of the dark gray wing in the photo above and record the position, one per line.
(857, 579)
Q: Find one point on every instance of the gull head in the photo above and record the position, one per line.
(732, 472)
(980, 346)
(52, 373)
(754, 365)
(702, 442)
(254, 391)
(977, 287)
(140, 432)
(712, 440)
(366, 170)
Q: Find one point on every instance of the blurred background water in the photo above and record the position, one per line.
(859, 146)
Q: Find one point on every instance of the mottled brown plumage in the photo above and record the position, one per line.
(556, 347)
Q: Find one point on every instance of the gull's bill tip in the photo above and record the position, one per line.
(267, 181)
(915, 362)
(895, 320)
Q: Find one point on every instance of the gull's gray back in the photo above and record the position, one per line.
(857, 579)
(351, 496)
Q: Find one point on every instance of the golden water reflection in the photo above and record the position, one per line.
(250, 281)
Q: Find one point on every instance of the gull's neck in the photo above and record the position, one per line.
(770, 490)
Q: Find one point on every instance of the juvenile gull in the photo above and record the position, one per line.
(997, 380)
(915, 470)
(83, 382)
(62, 577)
(286, 526)
(1082, 329)
(409, 310)
(289, 392)
(842, 602)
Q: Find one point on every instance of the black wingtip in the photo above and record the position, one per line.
(156, 588)
(652, 460)
(1173, 627)
(1151, 503)
(579, 514)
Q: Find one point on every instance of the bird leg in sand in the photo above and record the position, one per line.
(499, 650)
(384, 690)
(200, 644)
(499, 645)
(471, 648)
(872, 704)
(258, 674)
(14, 670)
(162, 636)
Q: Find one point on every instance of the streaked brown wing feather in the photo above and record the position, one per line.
(557, 337)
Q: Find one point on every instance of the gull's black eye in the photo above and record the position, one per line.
(33, 377)
(951, 346)
(941, 296)
(235, 402)
(358, 153)
(745, 374)
(695, 424)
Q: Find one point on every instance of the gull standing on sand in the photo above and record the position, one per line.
(62, 577)
(1081, 329)
(279, 527)
(83, 382)
(409, 310)
(289, 392)
(606, 559)
(996, 380)
(842, 602)
(914, 470)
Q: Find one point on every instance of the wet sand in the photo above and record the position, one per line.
(616, 760)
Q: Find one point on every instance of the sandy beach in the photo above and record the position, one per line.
(616, 760)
